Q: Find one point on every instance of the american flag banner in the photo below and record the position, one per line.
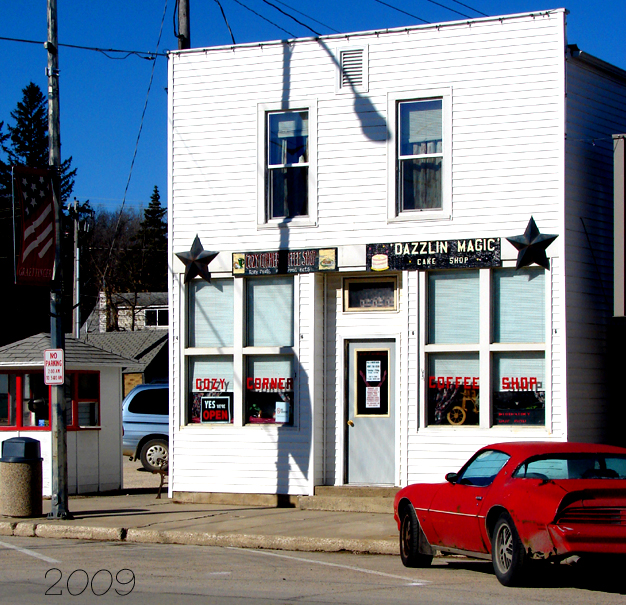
(32, 188)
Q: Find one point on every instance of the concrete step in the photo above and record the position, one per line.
(351, 499)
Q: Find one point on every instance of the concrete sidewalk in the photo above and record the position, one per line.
(137, 516)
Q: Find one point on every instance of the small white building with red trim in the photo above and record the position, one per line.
(93, 395)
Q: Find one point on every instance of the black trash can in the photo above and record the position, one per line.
(20, 478)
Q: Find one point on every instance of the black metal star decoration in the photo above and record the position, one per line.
(532, 246)
(197, 261)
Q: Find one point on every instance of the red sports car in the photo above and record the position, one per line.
(515, 502)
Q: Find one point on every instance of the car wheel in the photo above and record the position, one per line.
(507, 552)
(152, 453)
(409, 541)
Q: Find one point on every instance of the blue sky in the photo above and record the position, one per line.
(102, 99)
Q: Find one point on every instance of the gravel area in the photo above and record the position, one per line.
(136, 476)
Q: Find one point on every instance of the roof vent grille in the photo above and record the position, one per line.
(352, 68)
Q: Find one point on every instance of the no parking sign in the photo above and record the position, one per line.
(53, 367)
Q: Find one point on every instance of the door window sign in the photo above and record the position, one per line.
(54, 366)
(215, 409)
(372, 370)
(372, 382)
(372, 397)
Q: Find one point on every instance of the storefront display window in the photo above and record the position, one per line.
(453, 308)
(269, 389)
(489, 324)
(211, 396)
(453, 389)
(518, 388)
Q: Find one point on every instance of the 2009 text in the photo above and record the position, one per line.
(101, 582)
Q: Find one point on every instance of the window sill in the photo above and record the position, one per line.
(420, 215)
(287, 224)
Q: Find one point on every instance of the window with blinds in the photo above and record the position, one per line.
(525, 320)
(269, 312)
(453, 307)
(211, 313)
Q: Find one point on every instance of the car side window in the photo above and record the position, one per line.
(150, 401)
(482, 470)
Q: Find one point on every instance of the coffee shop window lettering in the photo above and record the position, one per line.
(24, 400)
(515, 344)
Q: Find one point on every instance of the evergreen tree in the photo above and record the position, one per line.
(27, 141)
(150, 249)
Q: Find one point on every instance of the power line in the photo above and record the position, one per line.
(472, 9)
(308, 16)
(402, 11)
(448, 8)
(141, 54)
(265, 19)
(280, 10)
(226, 21)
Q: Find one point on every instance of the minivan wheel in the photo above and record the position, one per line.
(153, 453)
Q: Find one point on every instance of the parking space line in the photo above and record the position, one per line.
(413, 581)
(31, 553)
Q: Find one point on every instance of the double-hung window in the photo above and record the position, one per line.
(287, 173)
(288, 164)
(419, 157)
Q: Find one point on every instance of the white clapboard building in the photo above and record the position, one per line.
(411, 238)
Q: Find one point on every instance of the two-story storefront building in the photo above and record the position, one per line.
(412, 238)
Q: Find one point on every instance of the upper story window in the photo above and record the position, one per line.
(156, 318)
(420, 156)
(287, 166)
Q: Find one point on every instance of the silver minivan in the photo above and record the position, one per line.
(145, 422)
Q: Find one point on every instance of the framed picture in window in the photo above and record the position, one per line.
(366, 294)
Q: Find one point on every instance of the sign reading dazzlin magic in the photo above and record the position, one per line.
(436, 254)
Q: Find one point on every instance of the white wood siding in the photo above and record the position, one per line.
(595, 111)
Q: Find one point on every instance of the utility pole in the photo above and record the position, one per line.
(184, 35)
(59, 504)
(76, 288)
